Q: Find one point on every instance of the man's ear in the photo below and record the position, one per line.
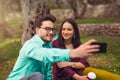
(37, 30)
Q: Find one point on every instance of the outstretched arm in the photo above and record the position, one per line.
(84, 50)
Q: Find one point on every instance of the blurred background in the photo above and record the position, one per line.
(98, 19)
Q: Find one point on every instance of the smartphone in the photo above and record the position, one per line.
(103, 47)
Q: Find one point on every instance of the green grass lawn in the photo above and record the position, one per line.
(78, 21)
(15, 22)
(9, 49)
(94, 21)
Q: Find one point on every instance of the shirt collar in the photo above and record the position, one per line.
(41, 41)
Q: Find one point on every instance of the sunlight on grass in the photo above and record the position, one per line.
(15, 22)
(8, 41)
(9, 48)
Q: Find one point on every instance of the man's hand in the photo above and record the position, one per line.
(85, 49)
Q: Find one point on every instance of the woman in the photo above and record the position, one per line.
(69, 38)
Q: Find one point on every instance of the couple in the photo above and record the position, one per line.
(37, 55)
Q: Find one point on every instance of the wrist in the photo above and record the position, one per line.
(73, 65)
(74, 54)
(75, 76)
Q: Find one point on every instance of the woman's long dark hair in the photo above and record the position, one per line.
(75, 39)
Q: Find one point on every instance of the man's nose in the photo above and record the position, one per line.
(51, 31)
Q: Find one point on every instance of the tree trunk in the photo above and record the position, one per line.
(73, 5)
(3, 11)
(85, 4)
(30, 8)
(58, 3)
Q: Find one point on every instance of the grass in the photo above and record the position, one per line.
(97, 20)
(9, 49)
(94, 21)
(108, 61)
(15, 22)
(78, 21)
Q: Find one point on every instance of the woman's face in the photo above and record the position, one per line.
(67, 31)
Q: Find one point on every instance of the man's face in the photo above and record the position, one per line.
(46, 31)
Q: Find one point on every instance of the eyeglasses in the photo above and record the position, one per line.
(48, 29)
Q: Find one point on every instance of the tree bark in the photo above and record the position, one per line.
(73, 5)
(30, 8)
(85, 4)
(3, 11)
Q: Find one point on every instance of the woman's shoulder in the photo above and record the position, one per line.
(55, 43)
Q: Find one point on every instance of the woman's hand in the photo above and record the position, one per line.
(78, 77)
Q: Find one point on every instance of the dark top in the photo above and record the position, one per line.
(66, 73)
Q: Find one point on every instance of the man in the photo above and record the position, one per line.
(37, 55)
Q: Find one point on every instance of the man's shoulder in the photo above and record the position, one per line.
(31, 43)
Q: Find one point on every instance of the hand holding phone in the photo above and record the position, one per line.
(103, 47)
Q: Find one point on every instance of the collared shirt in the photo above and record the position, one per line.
(36, 56)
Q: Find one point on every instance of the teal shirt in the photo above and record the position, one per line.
(36, 56)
